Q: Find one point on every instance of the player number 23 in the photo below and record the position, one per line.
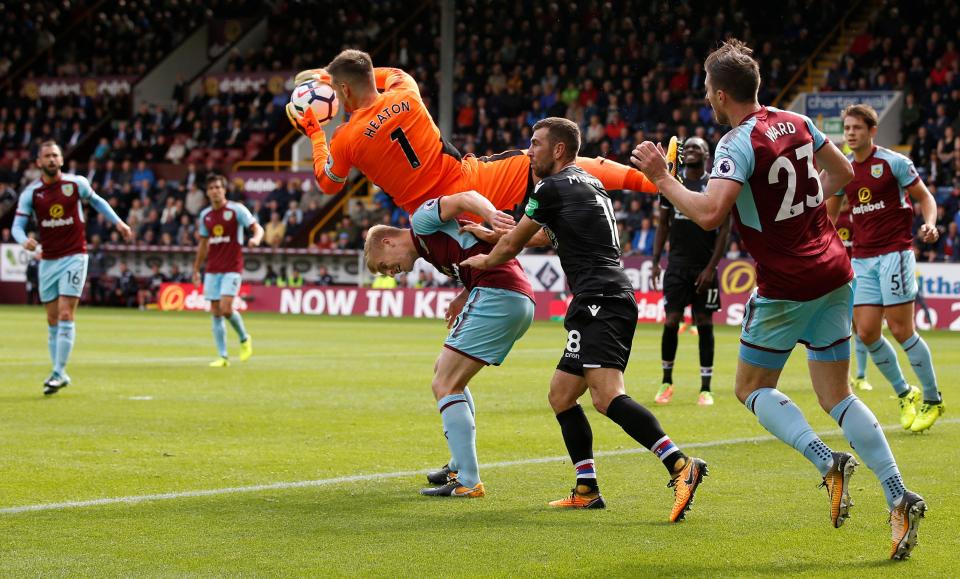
(788, 208)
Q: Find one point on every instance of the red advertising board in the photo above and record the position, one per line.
(736, 279)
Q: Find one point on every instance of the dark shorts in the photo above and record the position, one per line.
(599, 332)
(680, 291)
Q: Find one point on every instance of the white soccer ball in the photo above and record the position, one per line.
(318, 96)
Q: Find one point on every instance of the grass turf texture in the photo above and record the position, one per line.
(334, 397)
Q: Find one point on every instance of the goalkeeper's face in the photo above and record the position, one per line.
(50, 160)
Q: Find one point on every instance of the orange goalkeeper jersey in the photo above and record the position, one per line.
(394, 142)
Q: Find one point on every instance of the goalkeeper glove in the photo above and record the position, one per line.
(317, 74)
(674, 158)
(306, 123)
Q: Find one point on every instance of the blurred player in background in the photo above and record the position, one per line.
(221, 227)
(576, 213)
(879, 195)
(497, 314)
(691, 276)
(392, 139)
(764, 170)
(55, 201)
(844, 225)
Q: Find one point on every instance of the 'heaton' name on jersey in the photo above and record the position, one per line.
(383, 116)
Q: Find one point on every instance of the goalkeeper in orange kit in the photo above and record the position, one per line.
(392, 139)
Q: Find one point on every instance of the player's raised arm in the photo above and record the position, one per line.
(473, 202)
(509, 246)
(708, 209)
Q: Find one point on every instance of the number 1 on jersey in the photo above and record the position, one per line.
(399, 136)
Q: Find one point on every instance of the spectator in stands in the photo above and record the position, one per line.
(295, 279)
(734, 252)
(177, 276)
(293, 215)
(642, 242)
(324, 242)
(271, 278)
(291, 229)
(195, 200)
(125, 291)
(274, 231)
(323, 276)
(951, 243)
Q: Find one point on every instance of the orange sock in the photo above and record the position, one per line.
(615, 176)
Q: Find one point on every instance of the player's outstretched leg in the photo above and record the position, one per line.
(860, 350)
(922, 362)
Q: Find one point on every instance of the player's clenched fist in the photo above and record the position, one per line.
(306, 123)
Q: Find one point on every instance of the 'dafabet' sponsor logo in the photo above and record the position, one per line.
(738, 277)
(171, 298)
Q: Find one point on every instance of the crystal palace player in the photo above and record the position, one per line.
(691, 278)
(55, 200)
(496, 314)
(392, 139)
(880, 193)
(221, 227)
(765, 169)
(576, 213)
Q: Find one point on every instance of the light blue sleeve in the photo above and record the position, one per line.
(85, 190)
(819, 139)
(903, 169)
(24, 211)
(103, 208)
(426, 219)
(244, 217)
(201, 228)
(734, 158)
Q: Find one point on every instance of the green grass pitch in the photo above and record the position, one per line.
(330, 398)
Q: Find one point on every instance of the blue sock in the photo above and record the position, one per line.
(885, 358)
(781, 417)
(65, 336)
(461, 433)
(220, 336)
(862, 430)
(452, 463)
(237, 322)
(52, 344)
(919, 355)
(860, 349)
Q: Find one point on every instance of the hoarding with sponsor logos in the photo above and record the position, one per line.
(940, 288)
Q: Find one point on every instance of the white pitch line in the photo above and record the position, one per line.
(137, 499)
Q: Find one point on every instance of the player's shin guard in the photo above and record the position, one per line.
(461, 433)
(783, 419)
(220, 336)
(66, 335)
(922, 362)
(885, 358)
(452, 463)
(860, 350)
(668, 351)
(644, 427)
(862, 430)
(578, 437)
(52, 344)
(707, 347)
(237, 322)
